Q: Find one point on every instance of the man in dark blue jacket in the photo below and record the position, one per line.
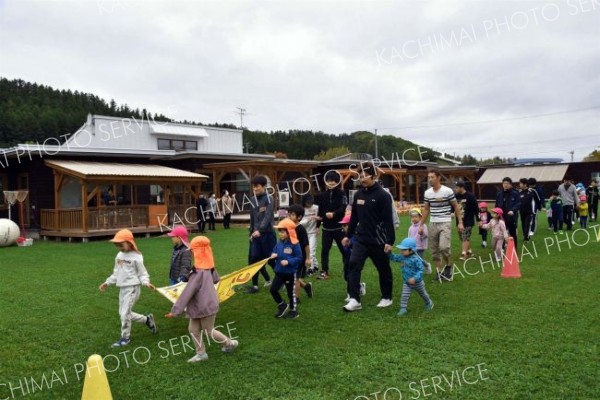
(509, 201)
(373, 230)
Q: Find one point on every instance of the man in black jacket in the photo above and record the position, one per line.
(508, 200)
(372, 227)
(332, 207)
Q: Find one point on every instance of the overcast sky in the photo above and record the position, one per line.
(424, 71)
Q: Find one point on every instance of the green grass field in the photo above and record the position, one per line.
(487, 337)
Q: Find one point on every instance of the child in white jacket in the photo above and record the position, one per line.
(128, 275)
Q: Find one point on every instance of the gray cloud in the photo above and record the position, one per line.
(331, 66)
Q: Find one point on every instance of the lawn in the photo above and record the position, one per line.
(487, 338)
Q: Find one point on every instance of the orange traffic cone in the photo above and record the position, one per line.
(95, 385)
(510, 264)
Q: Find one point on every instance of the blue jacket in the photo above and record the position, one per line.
(412, 268)
(290, 252)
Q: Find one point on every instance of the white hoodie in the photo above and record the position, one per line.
(129, 270)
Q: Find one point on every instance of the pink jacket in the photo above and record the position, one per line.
(498, 228)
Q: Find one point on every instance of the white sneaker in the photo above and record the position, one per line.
(231, 348)
(363, 288)
(352, 305)
(198, 357)
(384, 303)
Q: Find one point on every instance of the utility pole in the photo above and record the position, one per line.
(241, 111)
(572, 152)
(376, 150)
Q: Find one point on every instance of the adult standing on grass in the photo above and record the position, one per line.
(439, 202)
(227, 204)
(201, 207)
(331, 210)
(570, 200)
(213, 208)
(200, 301)
(469, 208)
(262, 237)
(374, 235)
(509, 201)
(592, 193)
(529, 200)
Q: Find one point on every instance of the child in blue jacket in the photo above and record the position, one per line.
(412, 274)
(288, 254)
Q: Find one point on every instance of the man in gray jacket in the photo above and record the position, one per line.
(570, 200)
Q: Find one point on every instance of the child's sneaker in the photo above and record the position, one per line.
(363, 288)
(402, 312)
(309, 290)
(252, 290)
(121, 342)
(198, 357)
(323, 275)
(483, 244)
(230, 348)
(150, 323)
(352, 305)
(292, 315)
(429, 307)
(281, 309)
(463, 256)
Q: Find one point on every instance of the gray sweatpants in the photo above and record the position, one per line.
(407, 290)
(128, 296)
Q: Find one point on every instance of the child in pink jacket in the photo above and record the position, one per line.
(499, 232)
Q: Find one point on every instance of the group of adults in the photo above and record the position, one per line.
(208, 208)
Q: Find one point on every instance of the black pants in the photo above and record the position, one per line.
(326, 242)
(211, 222)
(289, 280)
(568, 216)
(526, 224)
(593, 210)
(359, 255)
(511, 227)
(261, 248)
(201, 224)
(226, 221)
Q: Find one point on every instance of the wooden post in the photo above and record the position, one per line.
(417, 190)
(84, 206)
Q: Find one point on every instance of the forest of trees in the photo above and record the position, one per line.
(31, 112)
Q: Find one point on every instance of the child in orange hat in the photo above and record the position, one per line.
(200, 301)
(128, 275)
(288, 256)
(181, 258)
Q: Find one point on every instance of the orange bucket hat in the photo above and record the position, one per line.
(125, 235)
(290, 226)
(203, 255)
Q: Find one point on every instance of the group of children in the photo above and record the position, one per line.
(554, 211)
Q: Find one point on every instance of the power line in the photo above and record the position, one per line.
(492, 120)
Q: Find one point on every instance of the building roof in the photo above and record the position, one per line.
(542, 173)
(103, 171)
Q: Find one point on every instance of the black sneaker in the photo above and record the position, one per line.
(150, 323)
(309, 290)
(447, 273)
(281, 309)
(252, 290)
(292, 315)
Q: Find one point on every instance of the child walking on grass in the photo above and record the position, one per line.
(412, 274)
(499, 232)
(129, 274)
(484, 218)
(181, 258)
(288, 257)
(420, 238)
(295, 213)
(200, 301)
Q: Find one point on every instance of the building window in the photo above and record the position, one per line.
(177, 144)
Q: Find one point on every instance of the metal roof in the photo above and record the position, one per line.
(542, 173)
(177, 130)
(92, 169)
